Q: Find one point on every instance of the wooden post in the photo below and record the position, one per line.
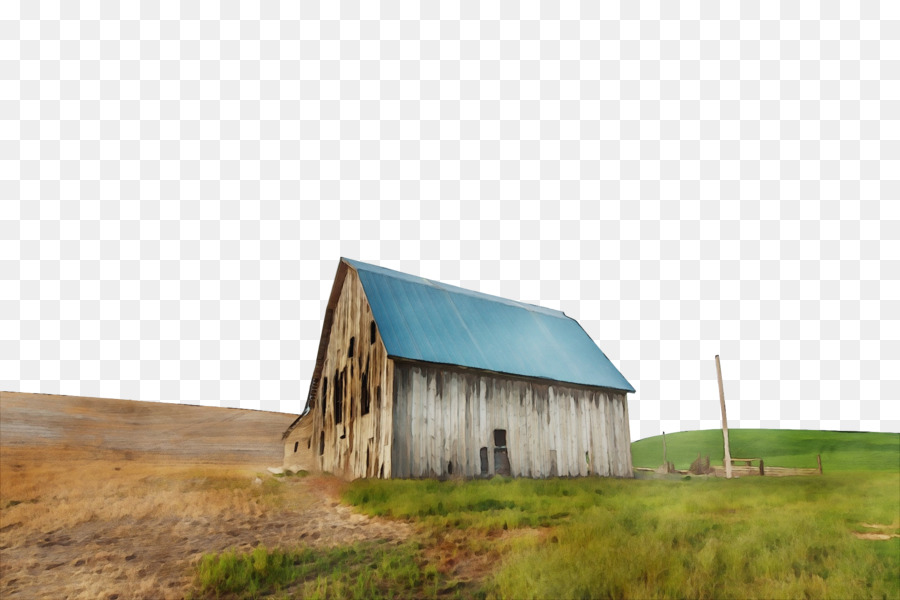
(724, 421)
(819, 460)
(762, 468)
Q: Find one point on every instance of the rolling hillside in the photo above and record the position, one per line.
(198, 433)
(840, 450)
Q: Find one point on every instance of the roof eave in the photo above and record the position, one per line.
(535, 378)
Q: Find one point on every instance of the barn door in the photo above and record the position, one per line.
(501, 456)
(370, 458)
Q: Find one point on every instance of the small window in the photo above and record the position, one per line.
(372, 332)
(296, 445)
(350, 349)
(324, 395)
(321, 443)
(308, 443)
(338, 398)
(500, 438)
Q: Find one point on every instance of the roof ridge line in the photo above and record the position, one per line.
(458, 289)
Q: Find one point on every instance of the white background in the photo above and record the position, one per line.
(179, 180)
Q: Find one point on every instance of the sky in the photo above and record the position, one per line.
(178, 183)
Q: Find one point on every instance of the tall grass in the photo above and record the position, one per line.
(704, 538)
(719, 539)
(483, 505)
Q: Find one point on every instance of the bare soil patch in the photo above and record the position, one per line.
(93, 520)
(885, 532)
(875, 536)
(468, 557)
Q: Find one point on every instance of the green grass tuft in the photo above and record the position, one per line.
(249, 574)
(361, 571)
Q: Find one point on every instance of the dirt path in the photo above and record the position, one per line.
(153, 556)
(114, 499)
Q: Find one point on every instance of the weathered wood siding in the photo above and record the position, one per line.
(298, 447)
(444, 417)
(358, 445)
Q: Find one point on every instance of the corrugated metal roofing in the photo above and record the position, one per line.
(425, 320)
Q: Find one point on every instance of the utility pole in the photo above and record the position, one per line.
(724, 421)
(665, 454)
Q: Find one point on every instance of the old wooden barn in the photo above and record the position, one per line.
(416, 378)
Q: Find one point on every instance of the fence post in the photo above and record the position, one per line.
(819, 460)
(762, 468)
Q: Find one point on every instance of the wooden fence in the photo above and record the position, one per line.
(742, 467)
(745, 467)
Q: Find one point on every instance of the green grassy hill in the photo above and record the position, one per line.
(840, 450)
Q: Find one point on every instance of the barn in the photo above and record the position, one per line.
(417, 378)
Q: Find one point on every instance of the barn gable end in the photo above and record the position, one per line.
(346, 429)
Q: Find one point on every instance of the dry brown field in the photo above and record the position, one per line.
(118, 499)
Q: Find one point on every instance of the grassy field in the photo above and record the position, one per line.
(710, 538)
(840, 450)
(830, 536)
(104, 498)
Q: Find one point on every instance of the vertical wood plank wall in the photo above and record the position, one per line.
(551, 429)
(299, 451)
(358, 446)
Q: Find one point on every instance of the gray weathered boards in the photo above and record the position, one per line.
(416, 378)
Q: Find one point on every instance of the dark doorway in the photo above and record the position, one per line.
(484, 461)
(501, 456)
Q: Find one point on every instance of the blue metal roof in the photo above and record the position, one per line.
(426, 320)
